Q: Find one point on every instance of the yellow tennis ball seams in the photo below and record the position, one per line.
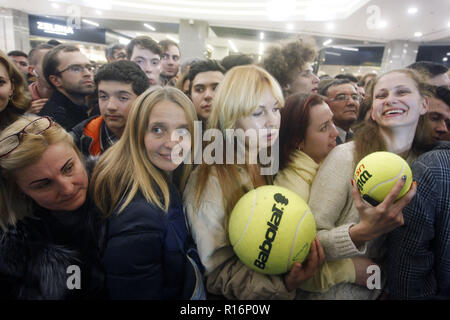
(270, 228)
(377, 173)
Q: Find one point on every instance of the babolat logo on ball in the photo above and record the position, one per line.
(363, 175)
(271, 233)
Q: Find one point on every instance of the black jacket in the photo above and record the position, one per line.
(145, 255)
(36, 254)
(64, 111)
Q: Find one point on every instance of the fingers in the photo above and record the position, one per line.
(357, 196)
(321, 253)
(392, 195)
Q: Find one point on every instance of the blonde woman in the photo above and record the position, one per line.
(48, 232)
(132, 186)
(249, 99)
(14, 95)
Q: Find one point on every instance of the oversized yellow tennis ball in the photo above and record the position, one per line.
(377, 173)
(270, 228)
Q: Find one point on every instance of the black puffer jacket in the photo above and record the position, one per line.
(36, 254)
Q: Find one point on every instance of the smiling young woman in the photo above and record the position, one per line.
(346, 225)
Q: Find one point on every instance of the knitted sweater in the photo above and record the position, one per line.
(298, 176)
(332, 204)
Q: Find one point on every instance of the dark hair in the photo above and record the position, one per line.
(443, 93)
(123, 71)
(53, 42)
(234, 60)
(17, 53)
(166, 43)
(202, 66)
(428, 68)
(32, 53)
(347, 76)
(144, 42)
(50, 63)
(336, 82)
(109, 52)
(295, 119)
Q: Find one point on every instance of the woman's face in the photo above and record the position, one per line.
(6, 87)
(321, 133)
(57, 181)
(167, 140)
(397, 101)
(264, 122)
(305, 82)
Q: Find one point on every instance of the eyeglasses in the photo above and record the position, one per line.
(346, 97)
(78, 68)
(10, 143)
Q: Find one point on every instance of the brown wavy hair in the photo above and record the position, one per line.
(367, 137)
(20, 99)
(284, 62)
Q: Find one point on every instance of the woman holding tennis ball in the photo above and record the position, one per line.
(347, 226)
(248, 98)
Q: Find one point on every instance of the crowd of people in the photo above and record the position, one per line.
(102, 171)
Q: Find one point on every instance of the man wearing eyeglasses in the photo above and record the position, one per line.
(71, 75)
(170, 62)
(344, 101)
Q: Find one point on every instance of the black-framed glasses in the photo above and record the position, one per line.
(346, 97)
(37, 126)
(78, 68)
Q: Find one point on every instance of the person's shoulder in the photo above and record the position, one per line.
(437, 156)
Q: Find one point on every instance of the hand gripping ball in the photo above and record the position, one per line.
(377, 173)
(270, 228)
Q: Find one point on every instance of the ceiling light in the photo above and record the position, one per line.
(55, 5)
(418, 34)
(90, 22)
(330, 26)
(448, 53)
(149, 27)
(172, 38)
(412, 10)
(261, 49)
(233, 46)
(445, 59)
(382, 24)
(261, 36)
(327, 42)
(290, 26)
(345, 48)
(98, 12)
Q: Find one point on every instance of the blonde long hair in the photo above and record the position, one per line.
(237, 96)
(125, 169)
(14, 205)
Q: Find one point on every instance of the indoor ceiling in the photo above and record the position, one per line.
(349, 22)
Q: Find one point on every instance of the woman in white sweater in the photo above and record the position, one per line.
(307, 135)
(248, 98)
(347, 226)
